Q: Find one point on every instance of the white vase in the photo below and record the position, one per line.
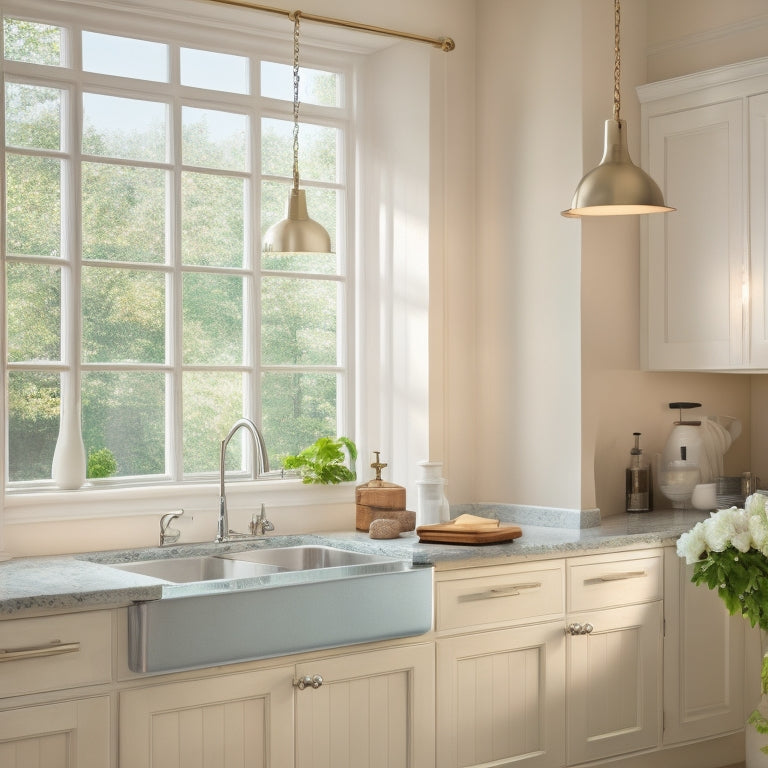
(754, 741)
(68, 467)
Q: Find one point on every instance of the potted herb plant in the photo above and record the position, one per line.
(325, 461)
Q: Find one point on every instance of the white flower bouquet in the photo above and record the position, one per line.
(729, 552)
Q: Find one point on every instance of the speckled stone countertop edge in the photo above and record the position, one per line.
(77, 582)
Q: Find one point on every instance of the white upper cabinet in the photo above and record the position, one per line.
(704, 266)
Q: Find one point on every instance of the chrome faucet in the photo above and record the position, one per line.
(260, 465)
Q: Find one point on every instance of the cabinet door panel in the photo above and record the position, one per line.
(758, 228)
(700, 635)
(614, 682)
(373, 710)
(696, 255)
(69, 734)
(500, 698)
(241, 720)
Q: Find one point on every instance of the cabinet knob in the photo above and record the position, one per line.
(579, 629)
(308, 682)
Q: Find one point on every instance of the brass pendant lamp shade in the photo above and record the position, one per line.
(296, 233)
(616, 187)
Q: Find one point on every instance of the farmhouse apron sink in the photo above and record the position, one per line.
(220, 609)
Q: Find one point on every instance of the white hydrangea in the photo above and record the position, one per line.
(742, 529)
(691, 545)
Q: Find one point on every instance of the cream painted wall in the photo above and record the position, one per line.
(687, 36)
(528, 270)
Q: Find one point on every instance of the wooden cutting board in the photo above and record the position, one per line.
(446, 533)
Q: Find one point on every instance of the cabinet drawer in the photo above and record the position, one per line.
(55, 652)
(608, 581)
(504, 597)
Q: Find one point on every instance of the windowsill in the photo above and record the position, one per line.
(99, 502)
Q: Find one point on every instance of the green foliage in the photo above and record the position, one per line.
(741, 580)
(101, 463)
(323, 461)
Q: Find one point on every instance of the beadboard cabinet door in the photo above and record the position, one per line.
(373, 710)
(67, 734)
(614, 682)
(696, 256)
(241, 720)
(758, 229)
(501, 698)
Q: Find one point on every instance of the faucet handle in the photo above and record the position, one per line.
(169, 535)
(260, 525)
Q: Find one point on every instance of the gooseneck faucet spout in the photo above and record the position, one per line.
(260, 466)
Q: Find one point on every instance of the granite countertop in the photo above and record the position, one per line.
(37, 585)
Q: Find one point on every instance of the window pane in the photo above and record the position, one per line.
(297, 409)
(322, 206)
(123, 315)
(33, 197)
(34, 312)
(213, 402)
(212, 220)
(125, 57)
(33, 424)
(126, 128)
(31, 42)
(125, 413)
(317, 150)
(215, 71)
(315, 85)
(214, 139)
(299, 321)
(33, 116)
(213, 319)
(123, 213)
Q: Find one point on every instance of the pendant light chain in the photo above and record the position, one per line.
(295, 19)
(617, 63)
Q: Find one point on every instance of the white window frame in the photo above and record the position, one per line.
(98, 501)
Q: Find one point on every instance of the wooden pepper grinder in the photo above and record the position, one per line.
(379, 500)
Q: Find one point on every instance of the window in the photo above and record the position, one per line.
(137, 298)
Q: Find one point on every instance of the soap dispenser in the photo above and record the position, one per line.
(638, 480)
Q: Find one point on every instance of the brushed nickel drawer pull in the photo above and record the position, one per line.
(509, 591)
(620, 576)
(54, 648)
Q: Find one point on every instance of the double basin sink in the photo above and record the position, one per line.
(261, 603)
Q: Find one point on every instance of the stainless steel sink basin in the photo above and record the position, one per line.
(309, 557)
(224, 608)
(260, 562)
(184, 570)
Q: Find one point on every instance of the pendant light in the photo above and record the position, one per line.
(616, 186)
(296, 233)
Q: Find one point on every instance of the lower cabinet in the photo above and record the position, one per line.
(501, 698)
(614, 682)
(370, 710)
(614, 657)
(703, 659)
(66, 734)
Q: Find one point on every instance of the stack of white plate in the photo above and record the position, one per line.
(729, 492)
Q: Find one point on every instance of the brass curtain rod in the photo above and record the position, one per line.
(444, 43)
